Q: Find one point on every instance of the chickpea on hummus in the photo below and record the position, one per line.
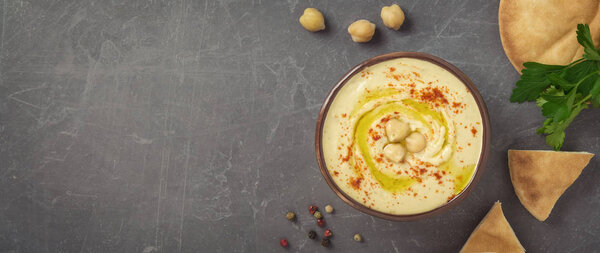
(403, 136)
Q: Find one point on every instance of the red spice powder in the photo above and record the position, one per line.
(355, 182)
(474, 131)
(385, 119)
(335, 173)
(392, 69)
(437, 175)
(456, 105)
(422, 171)
(348, 155)
(451, 197)
(416, 74)
(433, 95)
(343, 115)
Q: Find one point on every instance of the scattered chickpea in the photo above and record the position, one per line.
(415, 142)
(312, 20)
(329, 209)
(361, 30)
(392, 16)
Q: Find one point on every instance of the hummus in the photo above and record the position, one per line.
(434, 103)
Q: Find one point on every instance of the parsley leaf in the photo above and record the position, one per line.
(562, 92)
(533, 81)
(585, 39)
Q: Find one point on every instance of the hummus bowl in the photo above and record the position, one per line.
(403, 136)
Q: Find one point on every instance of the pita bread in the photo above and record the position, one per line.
(541, 177)
(544, 31)
(493, 234)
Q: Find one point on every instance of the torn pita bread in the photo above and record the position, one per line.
(544, 31)
(541, 177)
(493, 234)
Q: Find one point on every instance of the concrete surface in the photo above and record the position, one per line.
(187, 126)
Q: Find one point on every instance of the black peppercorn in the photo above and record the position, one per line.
(312, 234)
(325, 242)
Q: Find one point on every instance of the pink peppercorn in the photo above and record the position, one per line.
(320, 222)
(312, 209)
(284, 243)
(328, 233)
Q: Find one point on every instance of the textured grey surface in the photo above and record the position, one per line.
(187, 126)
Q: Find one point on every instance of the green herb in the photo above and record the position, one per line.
(562, 91)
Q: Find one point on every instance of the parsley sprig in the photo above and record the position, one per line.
(562, 91)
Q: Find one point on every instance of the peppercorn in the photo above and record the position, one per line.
(318, 215)
(320, 222)
(328, 233)
(312, 234)
(325, 242)
(284, 243)
(329, 209)
(357, 237)
(312, 209)
(290, 216)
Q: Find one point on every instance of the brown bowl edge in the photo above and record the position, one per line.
(484, 151)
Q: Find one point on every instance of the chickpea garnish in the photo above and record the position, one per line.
(312, 20)
(415, 142)
(396, 130)
(392, 16)
(394, 152)
(361, 30)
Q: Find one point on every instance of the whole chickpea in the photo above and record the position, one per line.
(396, 130)
(394, 152)
(415, 142)
(312, 20)
(392, 16)
(361, 30)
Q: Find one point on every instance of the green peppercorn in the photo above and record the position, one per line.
(290, 216)
(312, 234)
(318, 215)
(329, 209)
(357, 237)
(325, 242)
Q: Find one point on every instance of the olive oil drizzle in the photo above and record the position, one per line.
(416, 110)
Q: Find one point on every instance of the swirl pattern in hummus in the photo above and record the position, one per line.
(434, 103)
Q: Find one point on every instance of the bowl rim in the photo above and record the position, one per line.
(483, 157)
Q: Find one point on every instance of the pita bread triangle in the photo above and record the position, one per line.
(493, 234)
(541, 177)
(544, 31)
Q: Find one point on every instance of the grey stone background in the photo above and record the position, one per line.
(187, 126)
